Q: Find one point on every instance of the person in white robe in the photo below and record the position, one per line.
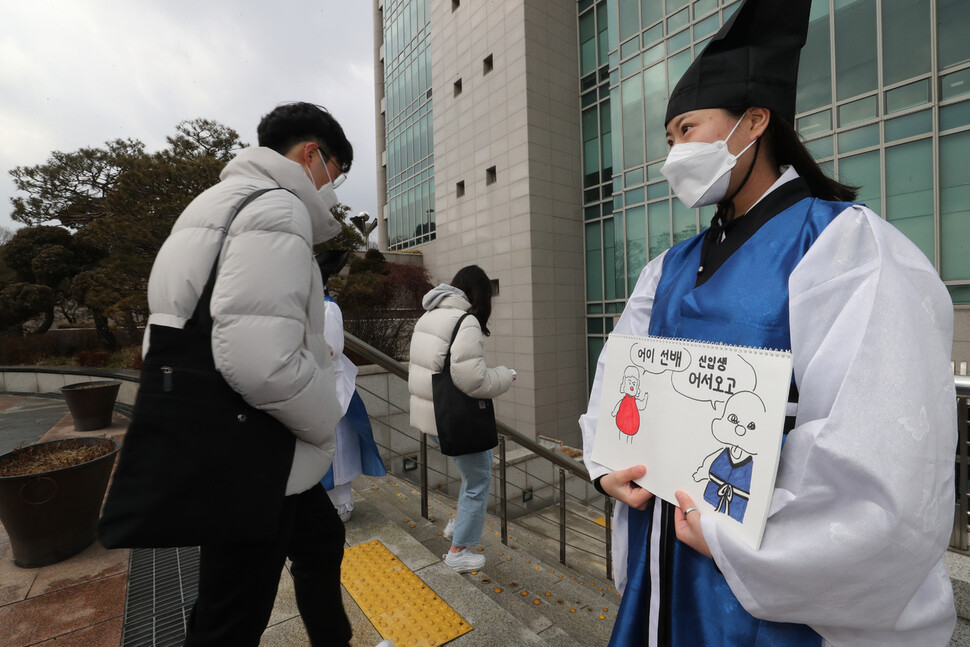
(863, 502)
(355, 452)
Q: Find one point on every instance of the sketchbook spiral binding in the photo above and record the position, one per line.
(696, 343)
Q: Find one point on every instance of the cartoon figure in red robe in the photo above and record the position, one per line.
(627, 411)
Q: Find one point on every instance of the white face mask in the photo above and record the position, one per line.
(327, 192)
(700, 172)
(328, 196)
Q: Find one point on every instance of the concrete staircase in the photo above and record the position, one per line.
(523, 596)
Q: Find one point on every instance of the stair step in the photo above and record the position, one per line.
(563, 605)
(492, 624)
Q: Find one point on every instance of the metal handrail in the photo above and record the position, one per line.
(962, 385)
(505, 432)
(960, 537)
(397, 368)
(372, 355)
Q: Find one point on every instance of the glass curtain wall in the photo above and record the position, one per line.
(604, 252)
(883, 103)
(408, 129)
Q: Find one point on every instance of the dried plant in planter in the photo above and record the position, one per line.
(50, 497)
(35, 459)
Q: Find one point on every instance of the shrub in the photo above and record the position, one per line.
(92, 358)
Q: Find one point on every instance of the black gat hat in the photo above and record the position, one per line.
(751, 61)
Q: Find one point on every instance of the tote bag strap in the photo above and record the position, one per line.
(201, 314)
(447, 367)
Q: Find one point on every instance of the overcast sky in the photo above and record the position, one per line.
(76, 73)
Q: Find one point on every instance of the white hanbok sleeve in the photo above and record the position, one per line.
(344, 370)
(635, 320)
(862, 510)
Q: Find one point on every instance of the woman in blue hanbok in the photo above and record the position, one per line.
(863, 502)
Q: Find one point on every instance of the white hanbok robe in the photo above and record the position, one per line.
(863, 504)
(346, 458)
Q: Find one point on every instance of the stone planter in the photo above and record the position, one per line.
(52, 514)
(91, 403)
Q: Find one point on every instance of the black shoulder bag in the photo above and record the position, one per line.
(198, 465)
(466, 425)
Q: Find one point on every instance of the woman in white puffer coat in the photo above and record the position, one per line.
(470, 291)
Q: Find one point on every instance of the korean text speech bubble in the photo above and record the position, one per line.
(715, 377)
(659, 359)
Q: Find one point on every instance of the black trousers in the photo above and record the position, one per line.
(238, 582)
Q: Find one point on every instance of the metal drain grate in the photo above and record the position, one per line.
(162, 586)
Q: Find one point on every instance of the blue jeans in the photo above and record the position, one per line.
(476, 479)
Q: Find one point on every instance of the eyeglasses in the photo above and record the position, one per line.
(340, 179)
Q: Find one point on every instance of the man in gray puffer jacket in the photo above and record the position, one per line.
(268, 343)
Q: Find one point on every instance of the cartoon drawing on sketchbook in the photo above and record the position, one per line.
(627, 410)
(728, 470)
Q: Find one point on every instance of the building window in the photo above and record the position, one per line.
(495, 287)
(457, 87)
(455, 4)
(487, 65)
(490, 175)
(460, 189)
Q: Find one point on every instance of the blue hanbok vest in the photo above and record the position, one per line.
(744, 302)
(729, 485)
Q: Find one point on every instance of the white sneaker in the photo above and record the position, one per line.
(464, 561)
(345, 515)
(385, 643)
(449, 529)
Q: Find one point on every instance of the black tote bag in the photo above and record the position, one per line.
(466, 425)
(198, 465)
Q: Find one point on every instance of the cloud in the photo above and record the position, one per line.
(80, 72)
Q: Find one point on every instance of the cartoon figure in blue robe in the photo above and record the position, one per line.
(728, 471)
(627, 410)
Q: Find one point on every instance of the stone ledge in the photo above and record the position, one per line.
(42, 379)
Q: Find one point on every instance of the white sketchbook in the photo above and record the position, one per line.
(704, 418)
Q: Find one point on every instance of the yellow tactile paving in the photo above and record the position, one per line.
(396, 601)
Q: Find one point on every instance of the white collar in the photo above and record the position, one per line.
(788, 173)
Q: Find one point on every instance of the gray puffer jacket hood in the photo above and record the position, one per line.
(436, 295)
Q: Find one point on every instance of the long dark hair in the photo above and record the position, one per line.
(473, 281)
(786, 146)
